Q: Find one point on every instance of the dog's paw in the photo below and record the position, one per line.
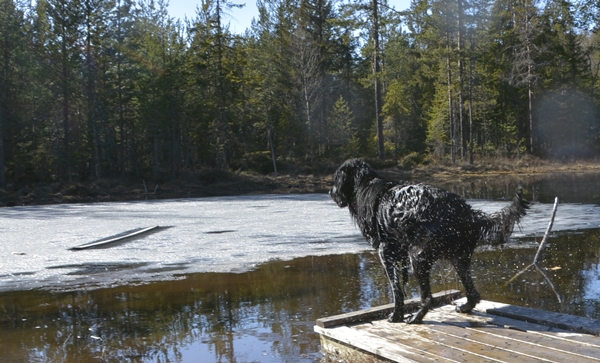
(465, 308)
(414, 319)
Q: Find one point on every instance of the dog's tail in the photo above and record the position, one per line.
(499, 225)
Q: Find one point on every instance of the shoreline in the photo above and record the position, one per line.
(220, 183)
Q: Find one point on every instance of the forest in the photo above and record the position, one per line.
(117, 88)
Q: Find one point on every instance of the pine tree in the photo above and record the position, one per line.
(343, 133)
(11, 43)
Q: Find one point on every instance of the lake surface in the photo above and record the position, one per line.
(243, 279)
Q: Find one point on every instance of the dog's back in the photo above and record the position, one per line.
(419, 215)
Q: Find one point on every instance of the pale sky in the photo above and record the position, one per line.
(242, 18)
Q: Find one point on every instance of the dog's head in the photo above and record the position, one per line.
(346, 179)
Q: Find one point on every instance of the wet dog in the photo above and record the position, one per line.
(421, 224)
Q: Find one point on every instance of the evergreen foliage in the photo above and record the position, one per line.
(118, 88)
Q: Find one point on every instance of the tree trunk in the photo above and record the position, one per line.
(221, 122)
(91, 96)
(461, 121)
(450, 105)
(2, 172)
(376, 71)
(529, 87)
(65, 106)
(270, 139)
(6, 55)
(121, 163)
(309, 121)
(471, 101)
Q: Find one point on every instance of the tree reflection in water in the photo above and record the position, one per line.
(266, 315)
(263, 315)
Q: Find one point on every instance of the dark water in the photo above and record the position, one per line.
(543, 188)
(267, 315)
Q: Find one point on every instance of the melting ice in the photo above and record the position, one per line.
(224, 234)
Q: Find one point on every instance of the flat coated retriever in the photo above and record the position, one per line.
(420, 223)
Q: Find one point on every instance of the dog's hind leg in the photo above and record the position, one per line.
(390, 260)
(422, 268)
(462, 265)
(405, 261)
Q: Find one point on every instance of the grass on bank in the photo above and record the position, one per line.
(294, 177)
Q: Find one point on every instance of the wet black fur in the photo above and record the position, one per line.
(420, 223)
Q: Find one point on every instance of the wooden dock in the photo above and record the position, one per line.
(494, 332)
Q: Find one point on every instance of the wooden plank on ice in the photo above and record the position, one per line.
(119, 238)
(383, 311)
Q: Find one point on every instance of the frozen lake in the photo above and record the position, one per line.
(224, 234)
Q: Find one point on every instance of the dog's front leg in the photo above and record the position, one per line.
(389, 259)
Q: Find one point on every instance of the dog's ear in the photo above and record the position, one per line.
(358, 170)
(344, 182)
(361, 170)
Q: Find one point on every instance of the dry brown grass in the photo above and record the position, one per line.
(461, 174)
(498, 166)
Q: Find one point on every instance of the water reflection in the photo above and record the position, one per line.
(568, 187)
(266, 315)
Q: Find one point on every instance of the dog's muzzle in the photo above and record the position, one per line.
(333, 193)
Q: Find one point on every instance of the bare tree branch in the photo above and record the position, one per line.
(538, 255)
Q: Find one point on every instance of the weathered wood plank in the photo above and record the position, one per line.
(553, 336)
(479, 314)
(431, 345)
(548, 318)
(551, 320)
(383, 311)
(575, 351)
(456, 341)
(576, 344)
(448, 336)
(337, 352)
(366, 342)
(521, 343)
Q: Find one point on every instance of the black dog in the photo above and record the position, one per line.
(421, 223)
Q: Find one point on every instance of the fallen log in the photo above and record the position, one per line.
(119, 238)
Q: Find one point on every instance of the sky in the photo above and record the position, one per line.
(241, 19)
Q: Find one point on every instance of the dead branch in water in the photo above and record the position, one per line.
(538, 255)
(146, 189)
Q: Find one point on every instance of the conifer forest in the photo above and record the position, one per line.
(118, 88)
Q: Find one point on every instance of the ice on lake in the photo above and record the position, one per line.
(221, 234)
